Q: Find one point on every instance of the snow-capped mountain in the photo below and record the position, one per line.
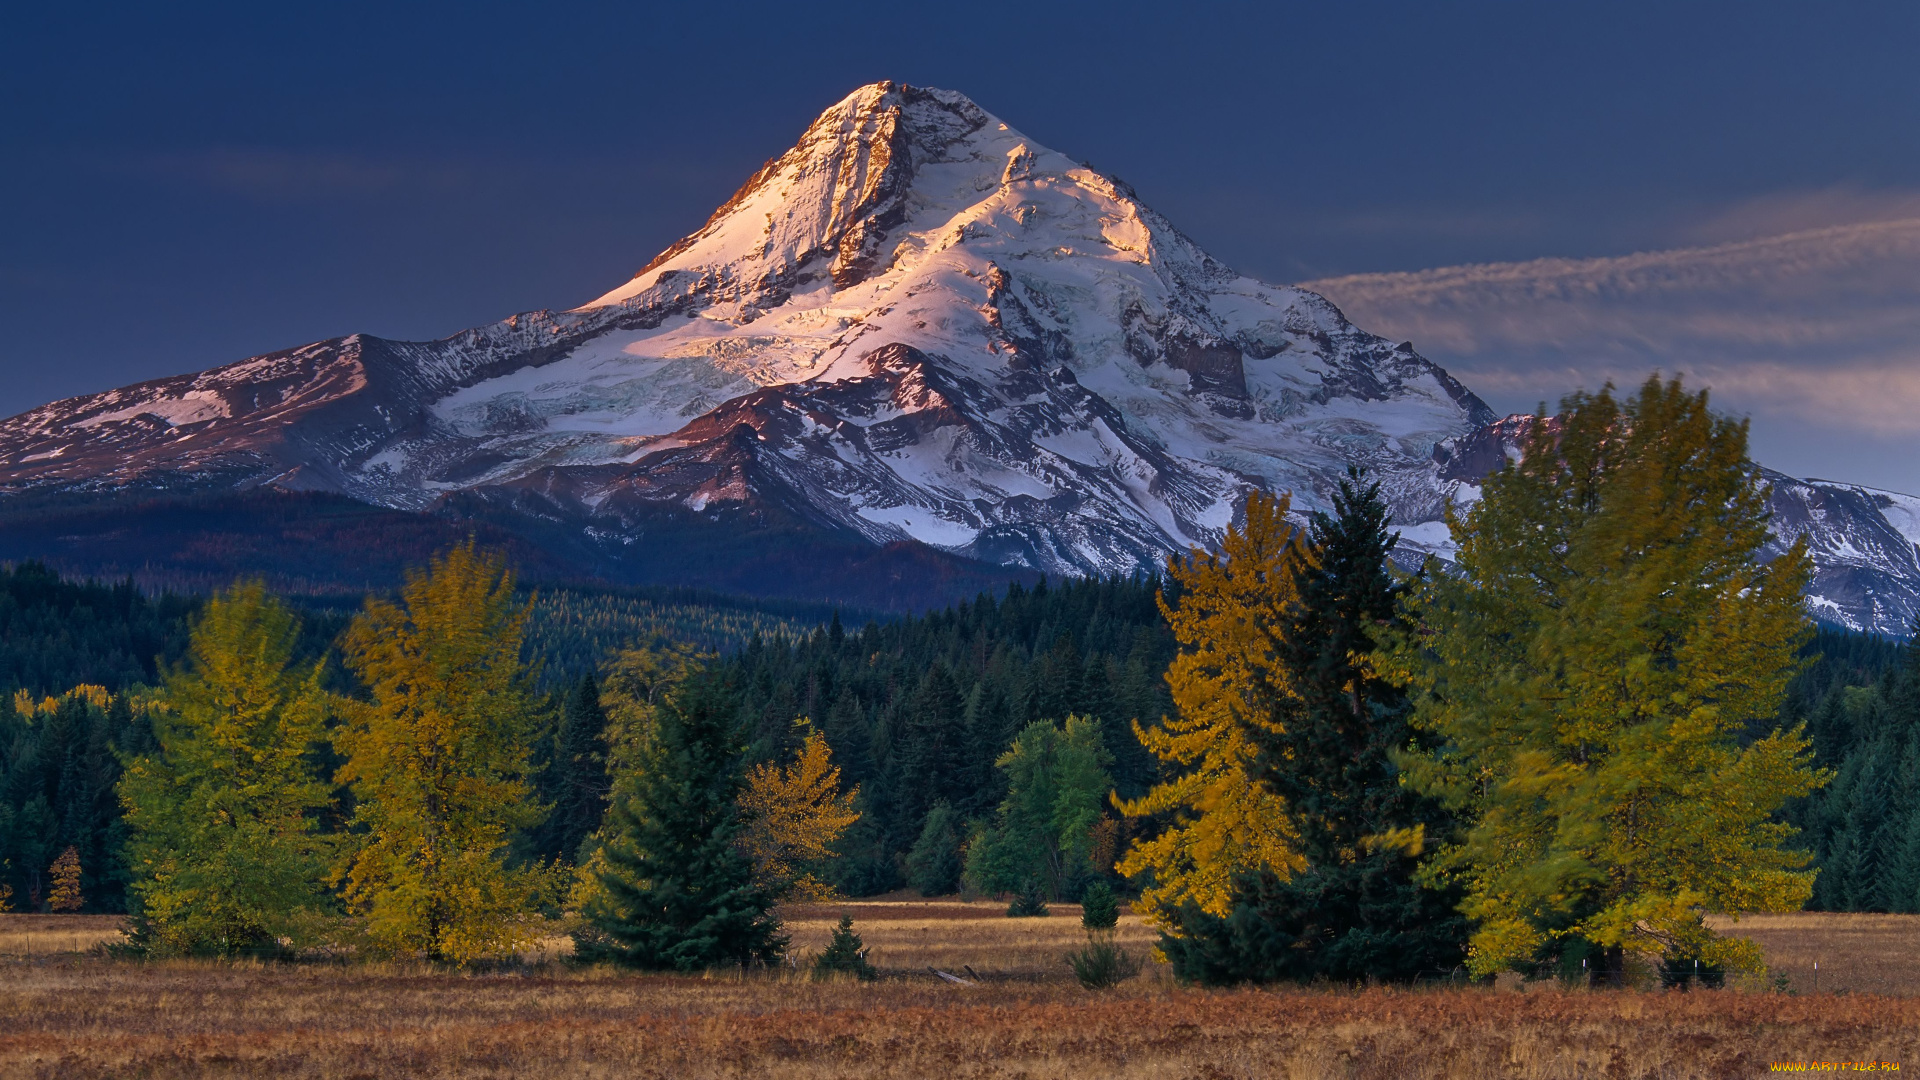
(917, 325)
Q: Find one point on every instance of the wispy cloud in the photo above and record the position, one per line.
(1800, 211)
(1821, 325)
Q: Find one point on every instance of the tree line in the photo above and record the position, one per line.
(1598, 724)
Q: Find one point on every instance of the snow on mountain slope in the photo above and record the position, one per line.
(915, 325)
(967, 339)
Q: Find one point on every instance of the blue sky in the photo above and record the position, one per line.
(190, 184)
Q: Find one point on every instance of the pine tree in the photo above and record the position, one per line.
(844, 954)
(438, 761)
(1228, 611)
(1099, 908)
(1355, 912)
(931, 745)
(676, 893)
(225, 845)
(1587, 673)
(1102, 963)
(65, 876)
(934, 866)
(575, 782)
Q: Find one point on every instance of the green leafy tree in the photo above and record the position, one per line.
(438, 763)
(674, 889)
(1355, 912)
(934, 866)
(1057, 788)
(224, 843)
(1587, 673)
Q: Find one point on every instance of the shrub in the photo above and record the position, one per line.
(1102, 963)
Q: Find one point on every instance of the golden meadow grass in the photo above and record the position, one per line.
(77, 1015)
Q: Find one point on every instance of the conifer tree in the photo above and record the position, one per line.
(934, 866)
(224, 844)
(845, 954)
(438, 761)
(931, 745)
(575, 781)
(1355, 911)
(1610, 633)
(676, 893)
(1228, 611)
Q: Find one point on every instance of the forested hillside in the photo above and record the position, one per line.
(55, 635)
(62, 752)
(1860, 700)
(574, 630)
(918, 711)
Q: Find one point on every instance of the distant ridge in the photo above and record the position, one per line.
(913, 355)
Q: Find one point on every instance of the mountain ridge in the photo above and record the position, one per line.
(916, 326)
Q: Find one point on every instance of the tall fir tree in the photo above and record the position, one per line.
(575, 781)
(932, 742)
(438, 763)
(1587, 676)
(225, 845)
(676, 893)
(1356, 911)
(934, 866)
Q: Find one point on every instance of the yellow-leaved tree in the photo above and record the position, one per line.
(438, 763)
(1587, 673)
(1226, 611)
(793, 815)
(224, 846)
(65, 874)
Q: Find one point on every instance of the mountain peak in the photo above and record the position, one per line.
(916, 324)
(827, 205)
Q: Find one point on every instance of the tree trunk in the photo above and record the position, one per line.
(1610, 969)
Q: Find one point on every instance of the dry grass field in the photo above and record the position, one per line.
(1872, 954)
(42, 935)
(909, 936)
(67, 1014)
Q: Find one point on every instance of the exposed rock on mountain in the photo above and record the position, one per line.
(916, 327)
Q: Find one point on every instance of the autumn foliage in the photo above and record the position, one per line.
(65, 876)
(793, 814)
(437, 760)
(1587, 677)
(1226, 610)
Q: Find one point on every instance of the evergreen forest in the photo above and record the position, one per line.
(1279, 751)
